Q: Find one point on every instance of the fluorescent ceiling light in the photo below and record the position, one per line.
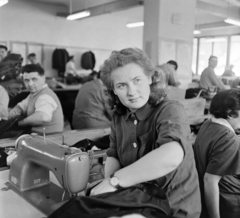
(195, 32)
(136, 24)
(78, 15)
(3, 2)
(215, 39)
(232, 21)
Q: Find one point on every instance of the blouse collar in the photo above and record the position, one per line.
(142, 113)
(223, 122)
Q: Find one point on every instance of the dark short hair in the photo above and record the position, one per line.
(174, 63)
(126, 56)
(30, 68)
(31, 55)
(226, 104)
(4, 47)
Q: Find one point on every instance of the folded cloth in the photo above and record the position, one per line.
(145, 199)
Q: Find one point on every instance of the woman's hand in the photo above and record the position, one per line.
(103, 187)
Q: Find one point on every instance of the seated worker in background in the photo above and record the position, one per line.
(217, 153)
(208, 77)
(3, 52)
(42, 107)
(32, 58)
(171, 81)
(170, 75)
(150, 149)
(173, 64)
(91, 109)
(228, 71)
(70, 72)
(10, 84)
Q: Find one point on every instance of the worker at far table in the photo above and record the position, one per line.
(42, 107)
(208, 79)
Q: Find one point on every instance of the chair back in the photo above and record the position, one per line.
(176, 93)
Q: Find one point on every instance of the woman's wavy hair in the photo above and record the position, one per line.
(226, 104)
(137, 56)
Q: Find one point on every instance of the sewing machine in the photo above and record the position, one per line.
(29, 171)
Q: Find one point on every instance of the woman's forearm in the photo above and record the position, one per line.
(211, 194)
(111, 166)
(153, 165)
(36, 119)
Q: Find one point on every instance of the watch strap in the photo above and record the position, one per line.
(115, 186)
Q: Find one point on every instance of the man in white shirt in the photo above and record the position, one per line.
(208, 79)
(42, 108)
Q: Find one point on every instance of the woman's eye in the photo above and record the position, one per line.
(137, 80)
(120, 86)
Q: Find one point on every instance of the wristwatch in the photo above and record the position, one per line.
(114, 182)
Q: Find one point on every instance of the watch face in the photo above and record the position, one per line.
(114, 181)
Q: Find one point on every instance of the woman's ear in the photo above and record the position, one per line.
(231, 114)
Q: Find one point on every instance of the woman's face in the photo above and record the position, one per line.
(131, 85)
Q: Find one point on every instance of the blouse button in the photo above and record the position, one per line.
(134, 145)
(135, 122)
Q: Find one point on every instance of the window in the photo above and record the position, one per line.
(205, 51)
(216, 46)
(220, 50)
(235, 54)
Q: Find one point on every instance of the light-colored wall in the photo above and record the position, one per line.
(169, 34)
(28, 21)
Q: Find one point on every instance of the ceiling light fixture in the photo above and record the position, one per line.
(136, 24)
(3, 2)
(78, 15)
(217, 39)
(196, 32)
(232, 21)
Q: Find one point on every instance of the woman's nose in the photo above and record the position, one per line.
(131, 90)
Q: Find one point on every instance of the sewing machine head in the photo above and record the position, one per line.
(36, 155)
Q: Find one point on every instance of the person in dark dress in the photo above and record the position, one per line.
(217, 153)
(150, 136)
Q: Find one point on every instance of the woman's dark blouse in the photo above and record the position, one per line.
(135, 134)
(217, 151)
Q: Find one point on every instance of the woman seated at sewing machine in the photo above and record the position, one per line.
(150, 150)
(217, 153)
